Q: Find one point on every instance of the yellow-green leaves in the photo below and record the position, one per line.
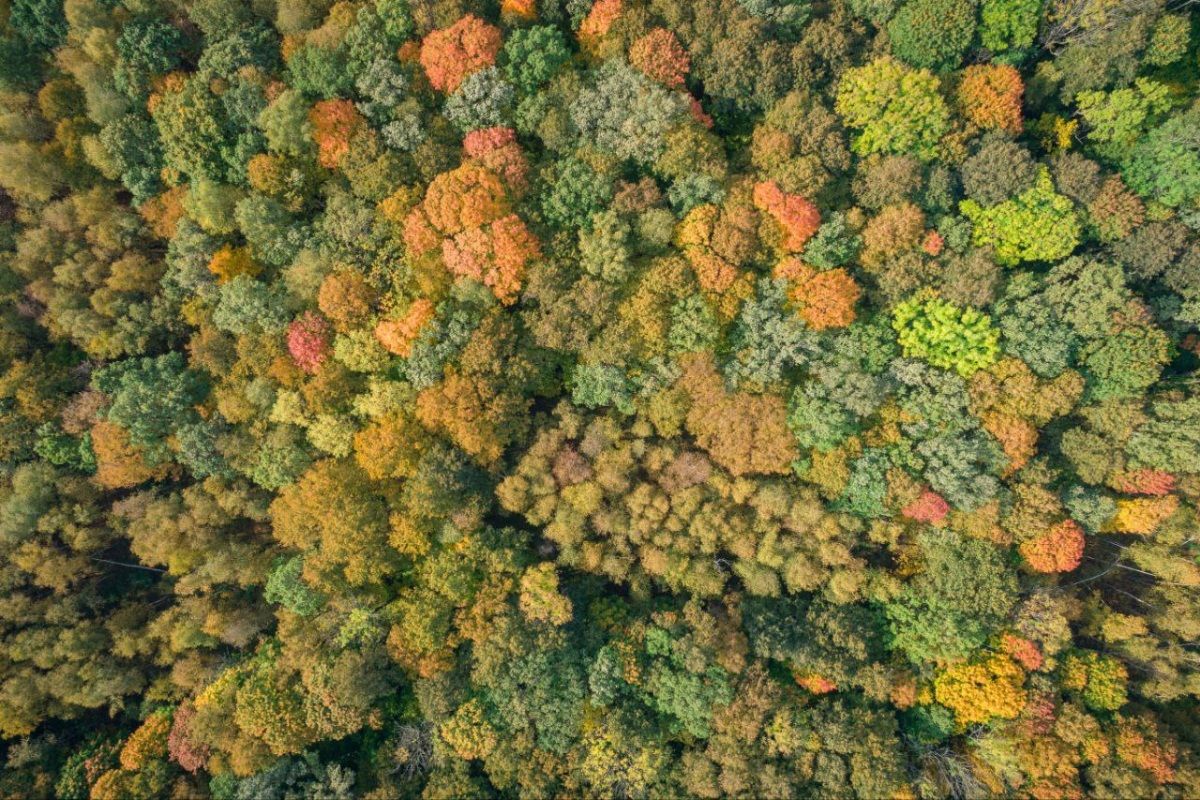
(1037, 225)
(933, 329)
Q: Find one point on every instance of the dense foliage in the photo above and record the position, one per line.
(599, 398)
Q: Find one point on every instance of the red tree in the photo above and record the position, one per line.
(929, 508)
(308, 340)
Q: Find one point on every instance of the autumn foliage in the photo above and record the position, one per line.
(495, 254)
(229, 262)
(497, 149)
(930, 508)
(990, 96)
(661, 57)
(796, 216)
(449, 55)
(398, 335)
(334, 123)
(599, 398)
(979, 692)
(465, 212)
(1059, 549)
(1155, 483)
(745, 433)
(600, 18)
(463, 198)
(824, 299)
(308, 340)
(1143, 515)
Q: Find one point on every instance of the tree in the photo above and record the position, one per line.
(833, 245)
(897, 109)
(132, 144)
(694, 327)
(929, 508)
(483, 100)
(1164, 441)
(767, 339)
(146, 49)
(1059, 549)
(319, 71)
(228, 263)
(744, 433)
(150, 398)
(977, 693)
(147, 743)
(533, 55)
(1168, 42)
(246, 305)
(346, 299)
(334, 124)
(1037, 225)
(786, 16)
(999, 170)
(816, 420)
(540, 598)
(659, 55)
(1125, 363)
(39, 22)
(798, 218)
(1115, 211)
(196, 134)
(598, 20)
(450, 54)
(577, 193)
(495, 255)
(990, 96)
(933, 34)
(399, 335)
(1099, 679)
(944, 335)
(464, 198)
(308, 341)
(598, 385)
(625, 113)
(286, 587)
(284, 123)
(824, 299)
(1008, 25)
(1116, 119)
(392, 447)
(964, 589)
(1165, 163)
(333, 514)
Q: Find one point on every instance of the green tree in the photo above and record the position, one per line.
(146, 49)
(965, 589)
(1165, 163)
(151, 398)
(625, 113)
(932, 33)
(962, 339)
(533, 55)
(319, 72)
(1007, 26)
(1037, 225)
(896, 109)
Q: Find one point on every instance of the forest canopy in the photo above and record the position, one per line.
(599, 398)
